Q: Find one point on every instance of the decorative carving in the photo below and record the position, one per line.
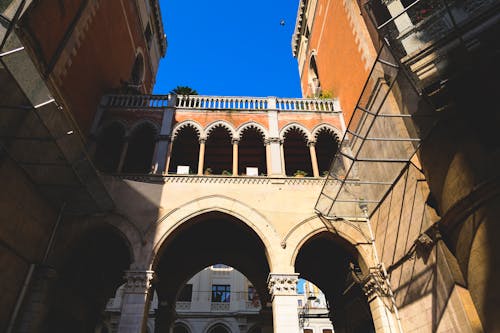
(282, 284)
(375, 284)
(138, 282)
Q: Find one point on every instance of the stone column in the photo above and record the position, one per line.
(123, 154)
(235, 156)
(161, 153)
(282, 157)
(314, 160)
(36, 306)
(267, 144)
(201, 156)
(283, 290)
(377, 292)
(276, 167)
(135, 304)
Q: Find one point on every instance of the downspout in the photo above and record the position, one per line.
(29, 275)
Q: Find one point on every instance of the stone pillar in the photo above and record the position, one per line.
(168, 155)
(282, 157)
(201, 157)
(123, 154)
(161, 153)
(235, 156)
(135, 303)
(276, 166)
(268, 156)
(283, 290)
(377, 292)
(36, 304)
(314, 160)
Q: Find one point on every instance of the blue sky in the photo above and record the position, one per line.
(228, 47)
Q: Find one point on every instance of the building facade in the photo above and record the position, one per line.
(104, 183)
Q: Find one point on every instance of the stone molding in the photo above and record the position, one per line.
(282, 284)
(138, 282)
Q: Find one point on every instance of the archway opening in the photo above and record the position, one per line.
(219, 238)
(251, 151)
(349, 310)
(326, 147)
(141, 146)
(218, 151)
(87, 279)
(185, 150)
(297, 156)
(313, 308)
(109, 147)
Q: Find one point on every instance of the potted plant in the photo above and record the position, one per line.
(208, 171)
(300, 174)
(226, 173)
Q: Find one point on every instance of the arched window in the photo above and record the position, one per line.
(185, 150)
(251, 151)
(219, 151)
(297, 155)
(137, 75)
(180, 328)
(109, 147)
(140, 150)
(219, 328)
(313, 77)
(326, 147)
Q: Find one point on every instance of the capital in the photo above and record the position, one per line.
(311, 143)
(375, 285)
(282, 284)
(202, 140)
(235, 141)
(138, 282)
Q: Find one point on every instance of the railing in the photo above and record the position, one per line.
(208, 103)
(182, 306)
(215, 306)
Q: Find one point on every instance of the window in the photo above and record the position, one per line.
(308, 330)
(252, 293)
(299, 302)
(186, 293)
(327, 330)
(221, 293)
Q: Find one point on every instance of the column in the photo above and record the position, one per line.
(276, 166)
(314, 160)
(282, 157)
(235, 156)
(37, 301)
(267, 144)
(161, 153)
(123, 154)
(283, 290)
(201, 157)
(135, 303)
(377, 292)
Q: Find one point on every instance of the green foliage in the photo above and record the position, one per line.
(326, 94)
(226, 173)
(300, 173)
(183, 90)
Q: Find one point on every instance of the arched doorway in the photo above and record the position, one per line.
(349, 310)
(89, 277)
(185, 150)
(252, 151)
(206, 240)
(297, 156)
(218, 151)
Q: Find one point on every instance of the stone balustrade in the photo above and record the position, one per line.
(208, 103)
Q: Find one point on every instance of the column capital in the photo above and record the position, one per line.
(138, 282)
(311, 143)
(235, 141)
(273, 140)
(202, 140)
(375, 285)
(282, 284)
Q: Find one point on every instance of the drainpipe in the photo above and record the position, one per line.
(29, 275)
(381, 266)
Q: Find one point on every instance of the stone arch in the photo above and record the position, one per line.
(321, 127)
(252, 124)
(109, 144)
(219, 322)
(220, 123)
(109, 123)
(188, 123)
(143, 122)
(184, 324)
(298, 127)
(159, 231)
(308, 228)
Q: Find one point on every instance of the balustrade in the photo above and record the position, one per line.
(207, 103)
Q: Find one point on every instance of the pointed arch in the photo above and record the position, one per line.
(252, 124)
(295, 126)
(220, 123)
(188, 123)
(326, 127)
